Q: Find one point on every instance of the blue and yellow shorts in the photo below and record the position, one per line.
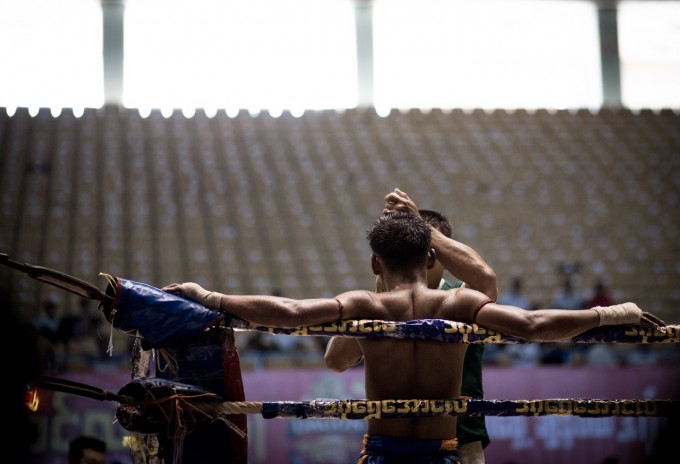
(379, 449)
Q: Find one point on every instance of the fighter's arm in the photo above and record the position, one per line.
(540, 325)
(551, 325)
(458, 258)
(343, 353)
(277, 311)
(465, 263)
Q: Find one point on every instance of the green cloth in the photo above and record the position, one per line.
(471, 428)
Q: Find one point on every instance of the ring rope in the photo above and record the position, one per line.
(387, 409)
(425, 329)
(459, 332)
(152, 405)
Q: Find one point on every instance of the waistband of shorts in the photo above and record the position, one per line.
(405, 446)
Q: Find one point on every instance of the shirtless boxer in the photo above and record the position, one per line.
(400, 368)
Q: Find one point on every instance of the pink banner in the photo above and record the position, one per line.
(526, 440)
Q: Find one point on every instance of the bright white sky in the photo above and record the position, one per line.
(301, 54)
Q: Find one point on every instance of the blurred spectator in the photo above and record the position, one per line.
(80, 334)
(642, 355)
(293, 344)
(566, 297)
(515, 296)
(600, 296)
(261, 342)
(47, 323)
(256, 347)
(87, 450)
(47, 326)
(669, 355)
(86, 320)
(524, 355)
(556, 353)
(602, 354)
(495, 355)
(70, 339)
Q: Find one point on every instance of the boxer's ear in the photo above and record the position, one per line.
(376, 264)
(431, 258)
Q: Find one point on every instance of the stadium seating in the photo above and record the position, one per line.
(257, 204)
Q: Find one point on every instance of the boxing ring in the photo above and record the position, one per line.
(176, 335)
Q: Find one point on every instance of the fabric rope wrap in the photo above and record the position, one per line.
(155, 402)
(442, 330)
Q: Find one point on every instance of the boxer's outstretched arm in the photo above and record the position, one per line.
(549, 325)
